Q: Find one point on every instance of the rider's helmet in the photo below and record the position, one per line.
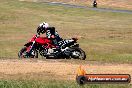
(42, 27)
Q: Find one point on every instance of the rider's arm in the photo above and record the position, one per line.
(50, 33)
(38, 30)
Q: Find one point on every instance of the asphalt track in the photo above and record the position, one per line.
(89, 8)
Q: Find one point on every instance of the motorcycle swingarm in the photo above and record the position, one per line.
(76, 45)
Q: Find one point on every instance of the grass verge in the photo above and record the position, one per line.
(54, 84)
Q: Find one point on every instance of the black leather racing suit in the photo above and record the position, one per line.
(49, 32)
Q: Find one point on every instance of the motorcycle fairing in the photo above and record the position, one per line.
(43, 41)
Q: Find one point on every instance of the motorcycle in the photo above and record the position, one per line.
(69, 48)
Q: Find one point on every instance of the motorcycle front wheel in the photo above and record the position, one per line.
(22, 53)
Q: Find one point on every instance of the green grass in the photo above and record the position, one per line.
(54, 84)
(105, 36)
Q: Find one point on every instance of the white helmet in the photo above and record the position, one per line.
(42, 28)
(44, 25)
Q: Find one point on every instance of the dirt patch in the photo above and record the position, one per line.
(55, 69)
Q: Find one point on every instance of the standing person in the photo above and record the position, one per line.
(95, 3)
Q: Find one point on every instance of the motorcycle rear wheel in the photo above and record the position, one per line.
(79, 52)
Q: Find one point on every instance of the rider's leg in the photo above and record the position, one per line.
(55, 42)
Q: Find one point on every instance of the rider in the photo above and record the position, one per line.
(51, 34)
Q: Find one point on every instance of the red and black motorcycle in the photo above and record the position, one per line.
(44, 46)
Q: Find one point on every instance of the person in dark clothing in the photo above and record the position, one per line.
(95, 3)
(51, 33)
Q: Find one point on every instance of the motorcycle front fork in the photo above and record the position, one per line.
(31, 48)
